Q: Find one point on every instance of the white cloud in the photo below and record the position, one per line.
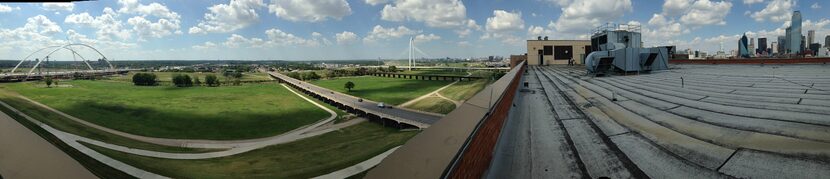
(206, 45)
(464, 44)
(505, 21)
(42, 24)
(108, 24)
(58, 6)
(815, 6)
(421, 38)
(376, 2)
(166, 23)
(229, 17)
(434, 13)
(345, 37)
(536, 31)
(676, 7)
(36, 33)
(98, 43)
(448, 14)
(278, 37)
(381, 33)
(310, 10)
(753, 1)
(235, 41)
(705, 12)
(578, 17)
(5, 8)
(503, 25)
(154, 9)
(275, 37)
(776, 11)
(146, 28)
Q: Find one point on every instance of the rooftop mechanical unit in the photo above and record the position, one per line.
(618, 48)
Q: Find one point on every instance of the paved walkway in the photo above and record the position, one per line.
(360, 167)
(24, 154)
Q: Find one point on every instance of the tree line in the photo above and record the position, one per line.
(179, 80)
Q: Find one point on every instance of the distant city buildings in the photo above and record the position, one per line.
(811, 34)
(762, 47)
(774, 47)
(743, 49)
(827, 41)
(793, 39)
(751, 48)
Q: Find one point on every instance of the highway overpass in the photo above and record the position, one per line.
(397, 117)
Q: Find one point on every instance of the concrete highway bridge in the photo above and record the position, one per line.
(448, 68)
(396, 117)
(18, 77)
(693, 121)
(427, 77)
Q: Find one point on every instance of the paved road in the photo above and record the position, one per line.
(412, 117)
(25, 155)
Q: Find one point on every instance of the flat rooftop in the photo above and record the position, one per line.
(692, 121)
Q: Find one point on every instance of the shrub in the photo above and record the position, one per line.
(144, 79)
(211, 80)
(182, 80)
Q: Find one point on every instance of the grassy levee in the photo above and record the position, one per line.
(433, 104)
(220, 113)
(99, 169)
(464, 90)
(301, 159)
(67, 125)
(388, 90)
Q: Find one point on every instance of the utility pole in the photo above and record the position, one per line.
(410, 53)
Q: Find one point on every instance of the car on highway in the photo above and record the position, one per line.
(381, 105)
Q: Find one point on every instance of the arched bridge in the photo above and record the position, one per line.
(15, 75)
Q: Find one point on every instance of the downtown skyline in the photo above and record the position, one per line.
(371, 29)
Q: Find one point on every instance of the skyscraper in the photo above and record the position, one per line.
(774, 47)
(762, 46)
(782, 43)
(827, 41)
(793, 35)
(811, 34)
(743, 50)
(751, 47)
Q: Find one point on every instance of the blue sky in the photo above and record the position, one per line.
(370, 29)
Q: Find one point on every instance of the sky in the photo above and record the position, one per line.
(372, 29)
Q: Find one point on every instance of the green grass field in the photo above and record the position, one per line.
(433, 104)
(67, 125)
(222, 113)
(301, 159)
(388, 90)
(167, 76)
(464, 90)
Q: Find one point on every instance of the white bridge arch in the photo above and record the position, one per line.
(56, 48)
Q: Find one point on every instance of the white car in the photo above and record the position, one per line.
(381, 105)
